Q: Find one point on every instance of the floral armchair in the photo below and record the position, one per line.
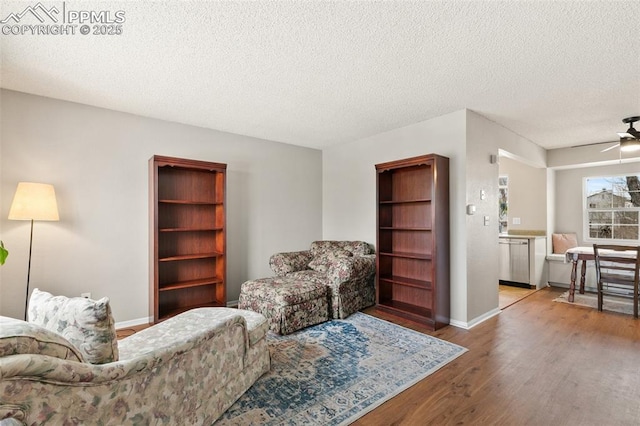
(347, 268)
(188, 369)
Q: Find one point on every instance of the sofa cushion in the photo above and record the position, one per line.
(563, 242)
(284, 291)
(257, 325)
(323, 262)
(22, 337)
(87, 324)
(358, 248)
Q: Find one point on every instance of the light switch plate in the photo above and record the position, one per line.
(483, 194)
(486, 221)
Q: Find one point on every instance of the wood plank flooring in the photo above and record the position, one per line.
(128, 331)
(508, 295)
(537, 363)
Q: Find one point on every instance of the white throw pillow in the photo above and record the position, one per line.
(87, 324)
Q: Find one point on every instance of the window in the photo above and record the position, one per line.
(503, 203)
(612, 207)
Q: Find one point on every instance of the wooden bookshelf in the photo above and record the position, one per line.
(187, 235)
(413, 239)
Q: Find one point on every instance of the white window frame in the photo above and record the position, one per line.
(586, 210)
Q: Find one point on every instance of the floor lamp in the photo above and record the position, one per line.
(33, 201)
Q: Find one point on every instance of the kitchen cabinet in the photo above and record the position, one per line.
(514, 260)
(522, 260)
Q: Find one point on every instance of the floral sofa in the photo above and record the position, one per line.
(347, 268)
(186, 370)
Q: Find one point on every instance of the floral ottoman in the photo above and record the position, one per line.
(289, 304)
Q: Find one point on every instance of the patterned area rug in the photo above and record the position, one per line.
(613, 304)
(335, 372)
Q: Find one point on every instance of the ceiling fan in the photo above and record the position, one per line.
(629, 140)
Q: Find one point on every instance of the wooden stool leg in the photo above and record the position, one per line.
(583, 272)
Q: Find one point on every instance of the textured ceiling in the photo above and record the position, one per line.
(322, 73)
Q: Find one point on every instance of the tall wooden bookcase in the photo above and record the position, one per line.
(187, 235)
(413, 239)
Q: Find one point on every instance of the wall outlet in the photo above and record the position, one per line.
(86, 295)
(516, 221)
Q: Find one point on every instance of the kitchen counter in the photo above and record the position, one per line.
(528, 237)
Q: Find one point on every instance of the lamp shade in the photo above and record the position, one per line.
(34, 201)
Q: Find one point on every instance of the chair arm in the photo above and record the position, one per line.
(352, 268)
(285, 263)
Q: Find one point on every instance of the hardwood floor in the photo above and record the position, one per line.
(508, 295)
(128, 331)
(537, 363)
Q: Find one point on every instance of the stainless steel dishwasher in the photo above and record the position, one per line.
(514, 261)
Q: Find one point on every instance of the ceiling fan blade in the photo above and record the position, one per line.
(629, 134)
(611, 147)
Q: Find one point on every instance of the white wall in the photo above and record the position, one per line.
(569, 201)
(349, 187)
(280, 197)
(1, 287)
(527, 195)
(468, 139)
(567, 168)
(97, 161)
(589, 156)
(486, 138)
(551, 207)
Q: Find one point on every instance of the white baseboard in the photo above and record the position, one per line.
(470, 324)
(458, 324)
(133, 323)
(232, 304)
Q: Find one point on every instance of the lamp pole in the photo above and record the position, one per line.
(26, 299)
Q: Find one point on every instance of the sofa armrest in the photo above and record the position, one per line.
(352, 268)
(285, 263)
(190, 377)
(142, 353)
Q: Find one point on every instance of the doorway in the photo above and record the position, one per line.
(522, 213)
(508, 295)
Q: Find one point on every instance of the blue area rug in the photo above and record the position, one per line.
(335, 372)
